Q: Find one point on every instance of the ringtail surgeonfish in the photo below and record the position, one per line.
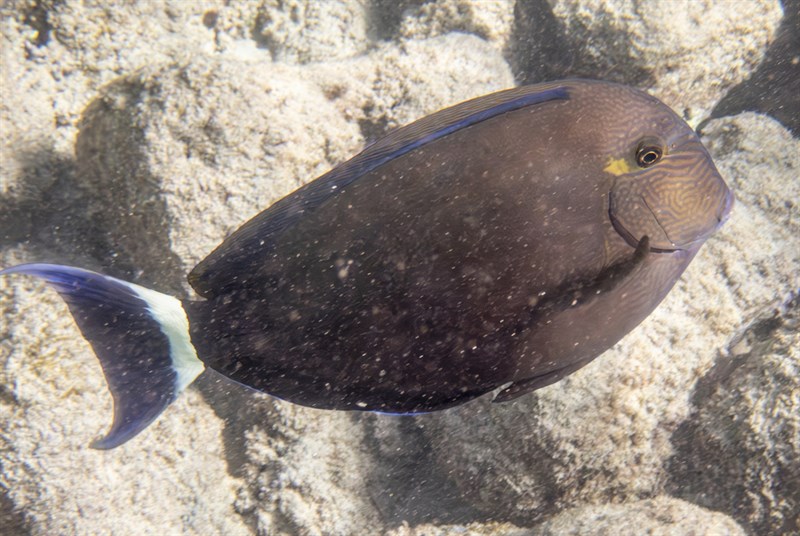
(502, 243)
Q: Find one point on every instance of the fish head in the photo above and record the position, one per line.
(664, 184)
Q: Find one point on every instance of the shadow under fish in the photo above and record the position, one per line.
(503, 242)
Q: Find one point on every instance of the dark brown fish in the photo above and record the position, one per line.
(504, 242)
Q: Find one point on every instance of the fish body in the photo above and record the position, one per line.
(504, 242)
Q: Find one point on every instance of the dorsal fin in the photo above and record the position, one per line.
(240, 253)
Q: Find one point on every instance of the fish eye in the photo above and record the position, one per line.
(647, 155)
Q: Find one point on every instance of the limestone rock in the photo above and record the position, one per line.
(180, 156)
(689, 53)
(305, 31)
(661, 516)
(472, 529)
(387, 88)
(304, 469)
(491, 20)
(745, 429)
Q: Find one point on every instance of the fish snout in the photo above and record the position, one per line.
(727, 207)
(678, 206)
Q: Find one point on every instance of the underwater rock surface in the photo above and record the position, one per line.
(168, 147)
(661, 515)
(134, 138)
(688, 54)
(745, 428)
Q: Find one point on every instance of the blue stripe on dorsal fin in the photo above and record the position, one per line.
(230, 259)
(440, 124)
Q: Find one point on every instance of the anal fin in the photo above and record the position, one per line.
(523, 387)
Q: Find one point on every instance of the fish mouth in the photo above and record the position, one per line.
(727, 209)
(662, 236)
(632, 240)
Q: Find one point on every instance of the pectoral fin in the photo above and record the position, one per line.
(574, 295)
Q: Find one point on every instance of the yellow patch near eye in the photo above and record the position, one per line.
(617, 166)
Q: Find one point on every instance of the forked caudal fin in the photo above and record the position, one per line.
(140, 336)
